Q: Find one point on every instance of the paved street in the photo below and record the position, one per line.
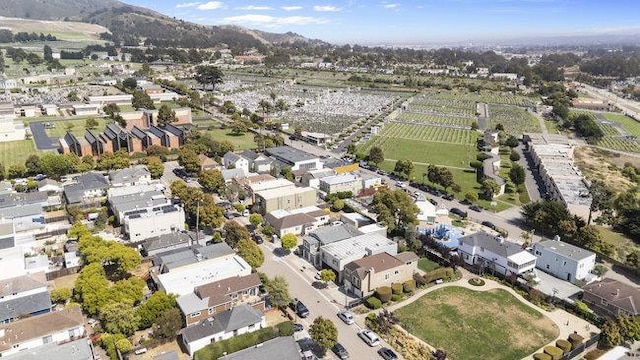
(319, 304)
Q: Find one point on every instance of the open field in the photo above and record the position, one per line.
(63, 30)
(444, 154)
(488, 97)
(78, 127)
(477, 325)
(241, 142)
(632, 126)
(515, 120)
(427, 265)
(15, 152)
(407, 116)
(438, 134)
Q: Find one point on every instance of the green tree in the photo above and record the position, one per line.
(516, 174)
(91, 123)
(128, 291)
(56, 165)
(60, 295)
(155, 166)
(489, 188)
(404, 167)
(166, 115)
(338, 205)
(117, 160)
(16, 171)
(124, 346)
(47, 53)
(251, 253)
(255, 219)
(351, 149)
(212, 181)
(395, 209)
(167, 325)
(323, 332)
(287, 173)
(91, 288)
(629, 327)
(440, 175)
(234, 233)
(602, 197)
(208, 76)
(511, 141)
(111, 110)
(514, 156)
(327, 275)
(376, 155)
(239, 126)
(188, 159)
(119, 318)
(610, 335)
(156, 304)
(278, 291)
(141, 100)
(129, 83)
(471, 196)
(289, 241)
(32, 164)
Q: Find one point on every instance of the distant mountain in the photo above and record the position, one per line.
(54, 9)
(274, 38)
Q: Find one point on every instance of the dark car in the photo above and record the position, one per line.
(387, 354)
(458, 212)
(298, 327)
(181, 173)
(475, 208)
(341, 351)
(300, 308)
(465, 202)
(489, 224)
(257, 238)
(435, 203)
(447, 197)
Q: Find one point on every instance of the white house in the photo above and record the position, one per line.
(150, 222)
(564, 261)
(135, 175)
(234, 161)
(297, 221)
(241, 319)
(346, 182)
(495, 253)
(427, 212)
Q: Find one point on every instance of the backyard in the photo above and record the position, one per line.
(477, 325)
(241, 142)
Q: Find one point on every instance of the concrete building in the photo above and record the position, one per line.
(346, 182)
(297, 221)
(285, 199)
(258, 163)
(312, 178)
(85, 109)
(564, 261)
(118, 99)
(363, 276)
(75, 350)
(256, 185)
(293, 158)
(131, 176)
(23, 296)
(316, 239)
(494, 253)
(142, 224)
(232, 160)
(426, 212)
(612, 298)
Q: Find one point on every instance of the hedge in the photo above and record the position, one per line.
(236, 343)
(384, 294)
(419, 279)
(396, 297)
(564, 345)
(440, 273)
(373, 302)
(554, 352)
(575, 340)
(285, 328)
(409, 286)
(541, 356)
(396, 289)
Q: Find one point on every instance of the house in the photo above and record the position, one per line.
(314, 240)
(426, 212)
(287, 156)
(297, 221)
(75, 350)
(491, 252)
(312, 178)
(340, 166)
(145, 223)
(281, 348)
(216, 297)
(611, 297)
(284, 199)
(33, 332)
(181, 271)
(346, 182)
(143, 198)
(207, 163)
(363, 276)
(239, 320)
(25, 295)
(564, 261)
(87, 191)
(25, 217)
(49, 186)
(233, 174)
(135, 175)
(166, 242)
(258, 163)
(254, 187)
(232, 160)
(338, 254)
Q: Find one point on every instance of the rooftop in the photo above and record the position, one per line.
(279, 192)
(358, 245)
(289, 154)
(495, 244)
(166, 240)
(281, 348)
(22, 283)
(378, 262)
(564, 249)
(131, 174)
(616, 293)
(193, 255)
(330, 234)
(74, 350)
(228, 321)
(217, 293)
(24, 305)
(340, 179)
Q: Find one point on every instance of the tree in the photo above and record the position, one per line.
(47, 53)
(167, 325)
(601, 198)
(278, 291)
(289, 241)
(166, 115)
(287, 173)
(250, 252)
(155, 166)
(514, 156)
(255, 219)
(32, 165)
(212, 181)
(208, 76)
(511, 141)
(323, 332)
(327, 275)
(611, 336)
(404, 167)
(234, 233)
(395, 209)
(516, 174)
(338, 205)
(440, 175)
(16, 171)
(351, 149)
(129, 83)
(629, 327)
(141, 100)
(60, 295)
(489, 188)
(91, 123)
(73, 96)
(189, 159)
(155, 305)
(471, 196)
(239, 126)
(91, 288)
(119, 318)
(124, 346)
(376, 155)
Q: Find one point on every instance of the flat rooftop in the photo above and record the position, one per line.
(290, 154)
(276, 193)
(357, 245)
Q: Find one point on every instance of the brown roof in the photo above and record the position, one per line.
(22, 283)
(219, 292)
(379, 262)
(259, 178)
(39, 326)
(206, 161)
(407, 256)
(623, 296)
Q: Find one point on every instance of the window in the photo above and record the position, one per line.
(396, 272)
(564, 263)
(47, 339)
(386, 276)
(252, 326)
(194, 314)
(605, 302)
(210, 311)
(538, 253)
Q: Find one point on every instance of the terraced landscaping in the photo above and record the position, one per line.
(434, 119)
(444, 106)
(486, 97)
(438, 134)
(515, 120)
(632, 126)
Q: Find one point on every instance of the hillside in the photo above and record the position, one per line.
(54, 9)
(63, 30)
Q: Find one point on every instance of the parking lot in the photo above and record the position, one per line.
(40, 137)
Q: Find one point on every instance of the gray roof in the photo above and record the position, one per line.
(131, 174)
(281, 348)
(6, 228)
(74, 350)
(169, 355)
(166, 240)
(190, 255)
(86, 182)
(191, 303)
(250, 155)
(616, 293)
(21, 199)
(330, 234)
(22, 283)
(289, 154)
(20, 211)
(229, 174)
(238, 317)
(492, 243)
(139, 200)
(563, 249)
(25, 305)
(232, 157)
(45, 182)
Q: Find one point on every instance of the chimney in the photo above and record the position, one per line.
(556, 238)
(617, 293)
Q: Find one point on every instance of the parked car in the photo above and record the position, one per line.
(298, 327)
(489, 224)
(257, 238)
(458, 212)
(369, 337)
(340, 351)
(387, 354)
(448, 197)
(435, 203)
(465, 202)
(300, 308)
(39, 177)
(475, 208)
(181, 173)
(347, 317)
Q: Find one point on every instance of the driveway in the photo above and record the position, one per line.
(40, 137)
(169, 177)
(549, 284)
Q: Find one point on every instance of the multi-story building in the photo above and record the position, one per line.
(297, 221)
(346, 182)
(494, 253)
(564, 261)
(131, 176)
(316, 239)
(25, 295)
(363, 276)
(285, 199)
(145, 223)
(88, 190)
(287, 156)
(231, 160)
(612, 298)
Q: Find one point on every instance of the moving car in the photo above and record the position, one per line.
(341, 351)
(369, 337)
(347, 317)
(387, 354)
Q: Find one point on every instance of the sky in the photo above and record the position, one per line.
(405, 22)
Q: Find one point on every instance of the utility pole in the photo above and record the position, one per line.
(197, 222)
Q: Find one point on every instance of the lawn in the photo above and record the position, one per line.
(632, 126)
(622, 244)
(444, 154)
(477, 325)
(15, 152)
(427, 265)
(78, 127)
(241, 142)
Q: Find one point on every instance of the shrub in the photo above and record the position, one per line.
(373, 302)
(564, 345)
(541, 356)
(285, 328)
(409, 286)
(419, 279)
(476, 281)
(575, 340)
(554, 352)
(384, 294)
(396, 297)
(236, 343)
(396, 289)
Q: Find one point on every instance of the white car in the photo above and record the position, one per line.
(347, 317)
(369, 337)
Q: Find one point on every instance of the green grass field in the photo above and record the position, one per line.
(16, 152)
(470, 325)
(78, 127)
(241, 142)
(632, 126)
(427, 265)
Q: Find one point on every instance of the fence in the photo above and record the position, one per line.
(581, 348)
(62, 272)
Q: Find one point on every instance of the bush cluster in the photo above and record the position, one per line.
(384, 294)
(409, 286)
(554, 352)
(396, 289)
(373, 302)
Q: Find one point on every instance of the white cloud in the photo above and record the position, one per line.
(187, 5)
(291, 8)
(390, 6)
(211, 5)
(326, 8)
(272, 21)
(254, 7)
